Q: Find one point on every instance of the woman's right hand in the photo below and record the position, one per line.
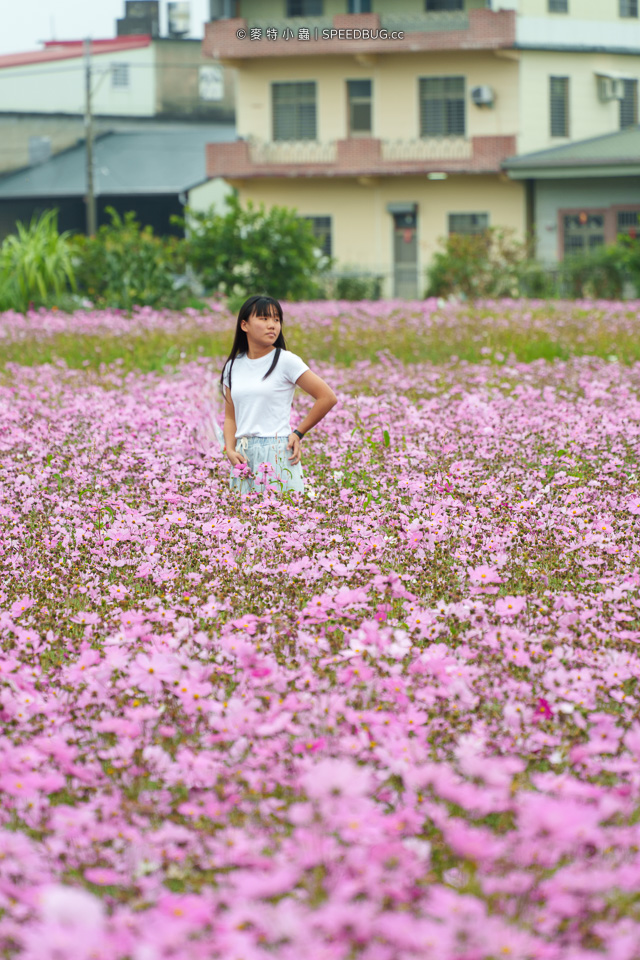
(234, 457)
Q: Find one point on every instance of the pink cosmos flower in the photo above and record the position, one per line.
(510, 606)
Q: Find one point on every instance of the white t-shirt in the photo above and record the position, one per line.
(263, 407)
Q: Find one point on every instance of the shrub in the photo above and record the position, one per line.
(36, 267)
(485, 264)
(249, 249)
(351, 285)
(126, 265)
(599, 273)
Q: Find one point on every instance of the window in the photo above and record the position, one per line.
(304, 8)
(222, 9)
(558, 6)
(442, 107)
(119, 74)
(294, 110)
(468, 222)
(628, 222)
(321, 227)
(433, 6)
(359, 6)
(359, 96)
(629, 104)
(628, 8)
(583, 231)
(559, 106)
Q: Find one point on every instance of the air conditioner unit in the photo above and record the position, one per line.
(482, 96)
(610, 88)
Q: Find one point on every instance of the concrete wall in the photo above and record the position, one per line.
(261, 10)
(551, 196)
(210, 194)
(362, 228)
(177, 87)
(395, 92)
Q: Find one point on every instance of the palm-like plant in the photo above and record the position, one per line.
(35, 264)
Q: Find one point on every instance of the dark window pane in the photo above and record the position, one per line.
(468, 222)
(629, 104)
(359, 88)
(322, 229)
(437, 5)
(558, 6)
(359, 6)
(304, 8)
(442, 107)
(559, 106)
(628, 8)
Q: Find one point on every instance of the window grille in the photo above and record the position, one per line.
(468, 222)
(360, 102)
(294, 110)
(629, 222)
(559, 106)
(119, 74)
(304, 8)
(442, 107)
(629, 104)
(558, 6)
(583, 231)
(628, 8)
(435, 6)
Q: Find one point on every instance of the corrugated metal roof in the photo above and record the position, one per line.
(167, 161)
(68, 49)
(620, 149)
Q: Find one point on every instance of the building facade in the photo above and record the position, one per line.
(388, 123)
(137, 81)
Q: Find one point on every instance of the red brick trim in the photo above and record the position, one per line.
(488, 30)
(358, 157)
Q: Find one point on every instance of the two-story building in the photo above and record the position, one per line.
(387, 123)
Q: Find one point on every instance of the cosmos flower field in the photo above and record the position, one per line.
(395, 719)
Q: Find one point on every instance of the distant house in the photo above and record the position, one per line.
(386, 122)
(583, 194)
(155, 172)
(138, 80)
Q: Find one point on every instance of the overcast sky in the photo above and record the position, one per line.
(32, 21)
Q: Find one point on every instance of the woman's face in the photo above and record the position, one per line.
(262, 329)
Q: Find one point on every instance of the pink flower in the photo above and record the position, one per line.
(510, 606)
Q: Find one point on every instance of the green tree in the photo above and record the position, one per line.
(126, 265)
(486, 264)
(248, 249)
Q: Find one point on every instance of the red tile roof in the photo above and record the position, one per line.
(68, 49)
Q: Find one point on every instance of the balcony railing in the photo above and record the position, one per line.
(425, 22)
(359, 157)
(430, 148)
(292, 151)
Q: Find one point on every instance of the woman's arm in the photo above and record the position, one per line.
(229, 430)
(324, 398)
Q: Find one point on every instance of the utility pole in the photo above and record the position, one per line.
(90, 199)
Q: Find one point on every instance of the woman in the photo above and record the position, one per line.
(259, 381)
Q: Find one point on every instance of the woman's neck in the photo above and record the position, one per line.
(255, 353)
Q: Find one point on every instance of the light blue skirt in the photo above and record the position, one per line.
(268, 466)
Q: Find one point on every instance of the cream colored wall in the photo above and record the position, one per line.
(395, 92)
(362, 228)
(588, 116)
(212, 193)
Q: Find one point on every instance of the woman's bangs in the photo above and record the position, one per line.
(266, 307)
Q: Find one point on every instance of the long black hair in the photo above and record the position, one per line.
(260, 304)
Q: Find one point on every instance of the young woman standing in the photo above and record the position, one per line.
(259, 381)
